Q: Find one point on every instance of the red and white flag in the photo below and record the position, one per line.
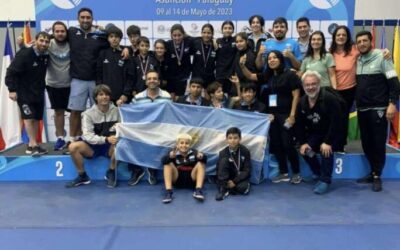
(10, 132)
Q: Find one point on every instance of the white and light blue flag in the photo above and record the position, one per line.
(148, 131)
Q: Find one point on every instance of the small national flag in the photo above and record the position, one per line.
(10, 133)
(373, 32)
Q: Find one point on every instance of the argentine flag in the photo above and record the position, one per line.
(148, 131)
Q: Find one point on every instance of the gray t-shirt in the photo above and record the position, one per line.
(321, 66)
(58, 68)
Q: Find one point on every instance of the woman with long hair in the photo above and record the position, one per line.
(318, 59)
(280, 95)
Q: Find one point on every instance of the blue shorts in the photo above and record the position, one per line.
(100, 149)
(81, 91)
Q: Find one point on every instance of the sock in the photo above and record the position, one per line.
(83, 174)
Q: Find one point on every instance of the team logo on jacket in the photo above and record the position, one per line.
(34, 64)
(380, 113)
(106, 61)
(26, 109)
(78, 33)
(198, 52)
(315, 118)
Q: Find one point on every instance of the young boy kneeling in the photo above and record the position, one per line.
(184, 167)
(233, 166)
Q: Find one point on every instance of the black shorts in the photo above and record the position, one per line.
(58, 97)
(33, 110)
(100, 149)
(185, 180)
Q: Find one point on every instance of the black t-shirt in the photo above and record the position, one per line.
(280, 85)
(322, 119)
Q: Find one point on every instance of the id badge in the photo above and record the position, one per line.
(273, 100)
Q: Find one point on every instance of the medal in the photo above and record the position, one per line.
(237, 165)
(179, 57)
(205, 57)
(144, 68)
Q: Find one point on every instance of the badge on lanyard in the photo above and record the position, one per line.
(273, 100)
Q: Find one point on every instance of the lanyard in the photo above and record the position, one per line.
(237, 165)
(144, 69)
(205, 57)
(180, 56)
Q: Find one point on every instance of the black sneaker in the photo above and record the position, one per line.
(167, 197)
(365, 180)
(28, 150)
(376, 184)
(80, 180)
(38, 151)
(151, 176)
(198, 194)
(222, 194)
(137, 175)
(111, 178)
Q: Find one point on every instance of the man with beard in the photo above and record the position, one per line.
(25, 79)
(289, 47)
(317, 130)
(86, 41)
(377, 92)
(58, 80)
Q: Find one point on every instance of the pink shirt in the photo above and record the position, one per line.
(346, 69)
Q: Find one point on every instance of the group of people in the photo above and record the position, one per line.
(308, 89)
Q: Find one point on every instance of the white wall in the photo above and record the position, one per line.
(365, 9)
(377, 9)
(17, 10)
